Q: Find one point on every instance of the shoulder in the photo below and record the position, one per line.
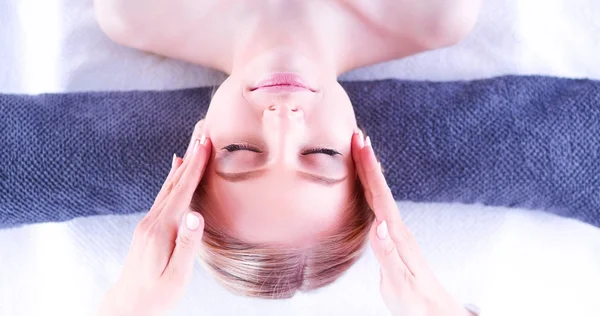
(404, 27)
(170, 28)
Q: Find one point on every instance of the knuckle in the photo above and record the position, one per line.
(143, 226)
(185, 242)
(389, 250)
(179, 187)
(407, 277)
(147, 231)
(376, 194)
(380, 192)
(152, 233)
(168, 186)
(177, 277)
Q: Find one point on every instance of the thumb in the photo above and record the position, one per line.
(189, 239)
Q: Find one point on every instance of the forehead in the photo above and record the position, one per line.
(269, 210)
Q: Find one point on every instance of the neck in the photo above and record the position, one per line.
(288, 37)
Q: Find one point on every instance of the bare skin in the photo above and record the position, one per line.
(351, 34)
(272, 146)
(251, 40)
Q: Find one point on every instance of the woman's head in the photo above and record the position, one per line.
(280, 196)
(275, 269)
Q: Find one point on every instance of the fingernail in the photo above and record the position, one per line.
(202, 142)
(382, 231)
(361, 139)
(191, 221)
(368, 141)
(196, 145)
(174, 160)
(379, 164)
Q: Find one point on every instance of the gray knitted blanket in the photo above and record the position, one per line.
(529, 142)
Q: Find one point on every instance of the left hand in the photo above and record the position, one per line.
(408, 285)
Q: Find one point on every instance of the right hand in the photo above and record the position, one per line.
(165, 243)
(408, 285)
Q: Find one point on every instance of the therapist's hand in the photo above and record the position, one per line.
(160, 262)
(408, 285)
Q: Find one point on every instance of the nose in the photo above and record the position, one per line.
(283, 125)
(283, 111)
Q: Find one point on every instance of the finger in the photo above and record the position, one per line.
(385, 208)
(196, 134)
(180, 171)
(175, 181)
(168, 219)
(189, 239)
(182, 194)
(165, 189)
(382, 201)
(393, 269)
(358, 143)
(186, 160)
(158, 207)
(168, 184)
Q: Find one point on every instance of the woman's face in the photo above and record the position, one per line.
(282, 170)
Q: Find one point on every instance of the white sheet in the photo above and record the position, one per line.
(510, 262)
(55, 45)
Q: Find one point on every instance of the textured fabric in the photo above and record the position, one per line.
(529, 142)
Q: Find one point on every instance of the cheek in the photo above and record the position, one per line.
(338, 120)
(228, 111)
(220, 104)
(341, 107)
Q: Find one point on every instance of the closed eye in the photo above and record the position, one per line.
(237, 147)
(311, 151)
(326, 151)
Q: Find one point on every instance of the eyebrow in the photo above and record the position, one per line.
(249, 175)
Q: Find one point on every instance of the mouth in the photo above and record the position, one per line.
(283, 82)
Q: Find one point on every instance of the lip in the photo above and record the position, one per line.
(283, 82)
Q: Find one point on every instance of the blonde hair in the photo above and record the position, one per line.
(274, 272)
